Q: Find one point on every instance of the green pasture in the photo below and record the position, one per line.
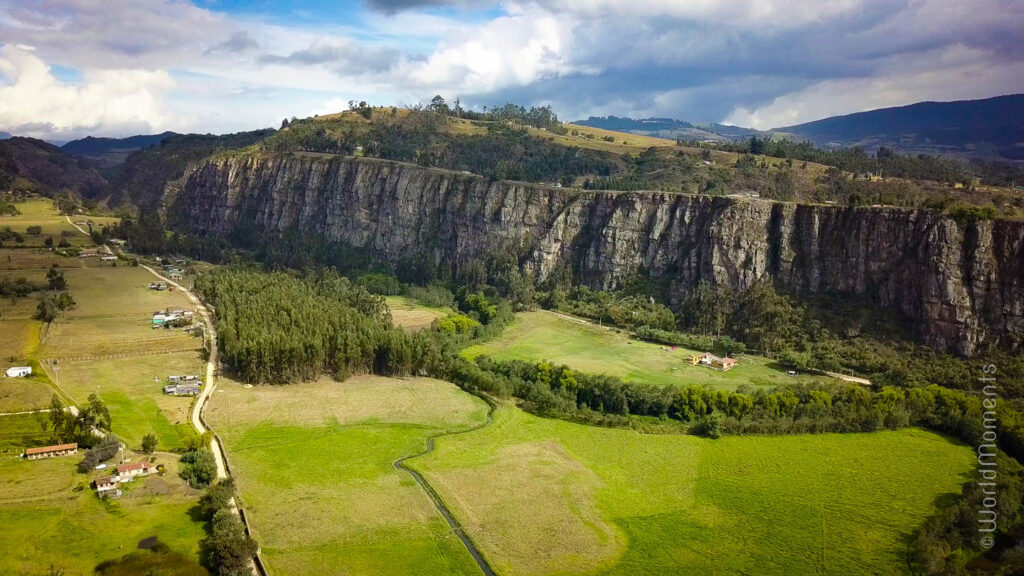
(586, 347)
(543, 496)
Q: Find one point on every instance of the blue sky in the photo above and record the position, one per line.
(118, 67)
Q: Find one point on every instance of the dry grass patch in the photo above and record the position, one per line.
(363, 399)
(407, 314)
(567, 535)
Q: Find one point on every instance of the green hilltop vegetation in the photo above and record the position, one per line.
(515, 143)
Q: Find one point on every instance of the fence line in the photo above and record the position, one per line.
(122, 355)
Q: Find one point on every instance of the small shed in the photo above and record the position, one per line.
(19, 371)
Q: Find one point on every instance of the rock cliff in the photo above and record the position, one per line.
(964, 283)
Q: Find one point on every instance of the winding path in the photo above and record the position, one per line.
(439, 503)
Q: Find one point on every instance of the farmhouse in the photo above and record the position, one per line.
(108, 486)
(88, 253)
(51, 451)
(714, 362)
(108, 258)
(128, 472)
(724, 364)
(19, 371)
(175, 275)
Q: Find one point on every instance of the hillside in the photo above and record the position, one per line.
(30, 164)
(140, 180)
(989, 128)
(671, 129)
(112, 150)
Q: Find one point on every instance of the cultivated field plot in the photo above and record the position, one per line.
(543, 335)
(408, 314)
(543, 496)
(15, 262)
(314, 464)
(132, 388)
(18, 432)
(112, 316)
(51, 517)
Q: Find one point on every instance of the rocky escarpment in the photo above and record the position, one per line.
(964, 283)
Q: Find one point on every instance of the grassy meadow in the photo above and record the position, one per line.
(411, 315)
(314, 465)
(129, 388)
(542, 496)
(543, 335)
(52, 518)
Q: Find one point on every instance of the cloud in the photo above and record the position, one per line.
(394, 6)
(34, 103)
(237, 43)
(341, 57)
(763, 62)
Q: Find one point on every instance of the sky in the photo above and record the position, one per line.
(122, 67)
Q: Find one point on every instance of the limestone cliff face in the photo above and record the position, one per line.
(964, 284)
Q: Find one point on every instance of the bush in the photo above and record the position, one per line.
(709, 425)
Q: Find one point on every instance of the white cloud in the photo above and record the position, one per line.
(34, 103)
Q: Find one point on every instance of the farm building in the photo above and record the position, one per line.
(108, 487)
(19, 371)
(159, 319)
(88, 253)
(176, 276)
(157, 286)
(128, 472)
(724, 364)
(712, 361)
(189, 389)
(51, 451)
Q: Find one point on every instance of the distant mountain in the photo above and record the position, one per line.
(670, 128)
(4, 135)
(990, 128)
(27, 163)
(112, 150)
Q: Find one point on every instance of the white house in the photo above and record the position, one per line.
(19, 371)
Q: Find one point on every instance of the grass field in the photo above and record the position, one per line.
(136, 401)
(543, 496)
(41, 212)
(314, 466)
(51, 517)
(18, 432)
(408, 314)
(543, 335)
(112, 316)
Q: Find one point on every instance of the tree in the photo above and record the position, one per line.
(767, 320)
(47, 310)
(231, 550)
(198, 467)
(149, 443)
(217, 497)
(55, 278)
(34, 230)
(104, 450)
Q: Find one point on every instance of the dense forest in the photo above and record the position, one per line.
(281, 327)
